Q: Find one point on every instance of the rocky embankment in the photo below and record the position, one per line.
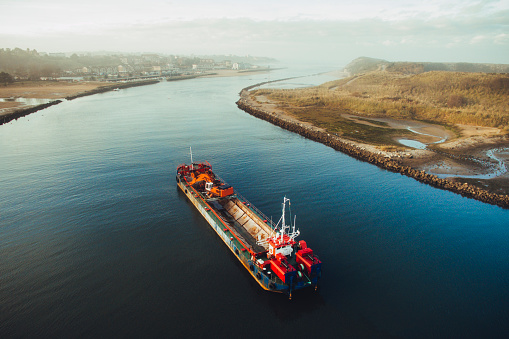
(108, 88)
(361, 153)
(25, 111)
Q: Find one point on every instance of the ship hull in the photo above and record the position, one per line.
(241, 227)
(217, 224)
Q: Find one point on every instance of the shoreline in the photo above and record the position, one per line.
(16, 113)
(367, 154)
(104, 89)
(8, 114)
(21, 112)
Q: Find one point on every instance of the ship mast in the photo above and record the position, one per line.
(191, 152)
(285, 229)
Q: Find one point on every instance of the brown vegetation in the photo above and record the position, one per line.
(364, 65)
(442, 97)
(382, 161)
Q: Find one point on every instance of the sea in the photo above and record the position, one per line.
(97, 241)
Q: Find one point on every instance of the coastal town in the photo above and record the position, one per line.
(35, 80)
(32, 65)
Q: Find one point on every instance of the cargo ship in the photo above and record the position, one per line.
(268, 250)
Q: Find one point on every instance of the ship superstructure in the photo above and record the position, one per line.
(268, 251)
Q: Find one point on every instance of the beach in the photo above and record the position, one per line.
(49, 90)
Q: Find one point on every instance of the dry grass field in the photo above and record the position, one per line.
(446, 98)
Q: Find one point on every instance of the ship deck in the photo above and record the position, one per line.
(243, 227)
(244, 234)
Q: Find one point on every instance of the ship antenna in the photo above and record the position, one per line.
(283, 212)
(283, 225)
(191, 152)
(290, 210)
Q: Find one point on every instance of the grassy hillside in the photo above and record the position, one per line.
(364, 64)
(448, 98)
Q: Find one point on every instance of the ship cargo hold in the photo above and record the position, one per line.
(267, 250)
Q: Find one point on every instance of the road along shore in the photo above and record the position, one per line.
(362, 153)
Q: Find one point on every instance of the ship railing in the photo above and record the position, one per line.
(273, 278)
(219, 178)
(239, 238)
(253, 207)
(260, 213)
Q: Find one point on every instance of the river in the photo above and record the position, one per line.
(96, 240)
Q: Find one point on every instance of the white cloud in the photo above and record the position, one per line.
(389, 43)
(477, 39)
(502, 39)
(328, 29)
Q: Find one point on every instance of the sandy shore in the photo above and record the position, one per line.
(30, 97)
(42, 90)
(52, 90)
(48, 89)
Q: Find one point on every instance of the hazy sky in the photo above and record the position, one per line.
(314, 30)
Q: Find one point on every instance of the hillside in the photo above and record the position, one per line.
(365, 64)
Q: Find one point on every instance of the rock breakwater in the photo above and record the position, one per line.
(26, 111)
(379, 160)
(109, 88)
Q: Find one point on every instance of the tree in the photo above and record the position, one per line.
(6, 78)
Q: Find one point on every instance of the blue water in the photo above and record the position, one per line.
(412, 143)
(96, 240)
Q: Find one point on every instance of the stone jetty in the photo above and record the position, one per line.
(109, 88)
(26, 111)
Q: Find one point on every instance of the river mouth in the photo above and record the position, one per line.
(482, 169)
(497, 167)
